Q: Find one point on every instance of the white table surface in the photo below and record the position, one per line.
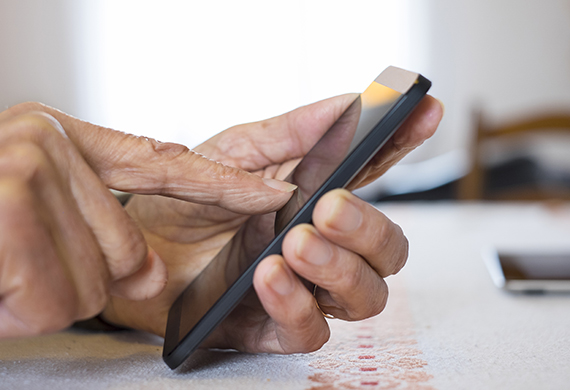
(446, 325)
(473, 335)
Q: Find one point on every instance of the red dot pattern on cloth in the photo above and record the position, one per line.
(377, 353)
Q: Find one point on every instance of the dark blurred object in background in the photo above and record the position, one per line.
(507, 163)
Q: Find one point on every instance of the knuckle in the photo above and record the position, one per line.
(351, 276)
(310, 336)
(53, 316)
(309, 331)
(374, 305)
(15, 195)
(341, 276)
(402, 255)
(92, 292)
(316, 342)
(379, 300)
(43, 326)
(146, 152)
(167, 149)
(26, 107)
(370, 304)
(399, 254)
(380, 239)
(53, 323)
(389, 247)
(18, 218)
(27, 161)
(302, 317)
(346, 272)
(37, 126)
(95, 294)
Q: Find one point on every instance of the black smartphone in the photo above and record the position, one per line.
(332, 163)
(528, 271)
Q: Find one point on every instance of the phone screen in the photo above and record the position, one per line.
(535, 266)
(332, 163)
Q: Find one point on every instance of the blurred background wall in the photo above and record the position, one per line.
(180, 70)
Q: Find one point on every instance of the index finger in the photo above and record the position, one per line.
(145, 166)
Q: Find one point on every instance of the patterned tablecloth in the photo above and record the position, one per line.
(445, 327)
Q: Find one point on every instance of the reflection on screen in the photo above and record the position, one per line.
(309, 175)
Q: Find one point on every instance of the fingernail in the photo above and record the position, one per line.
(279, 280)
(314, 250)
(344, 215)
(279, 185)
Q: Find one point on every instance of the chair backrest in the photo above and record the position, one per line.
(472, 186)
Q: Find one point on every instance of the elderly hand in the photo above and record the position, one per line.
(348, 251)
(66, 244)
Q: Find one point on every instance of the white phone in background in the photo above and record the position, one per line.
(529, 271)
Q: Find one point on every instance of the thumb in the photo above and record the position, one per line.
(145, 166)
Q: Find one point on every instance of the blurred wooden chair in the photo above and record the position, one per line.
(475, 185)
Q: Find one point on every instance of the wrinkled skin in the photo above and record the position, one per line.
(351, 281)
(348, 252)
